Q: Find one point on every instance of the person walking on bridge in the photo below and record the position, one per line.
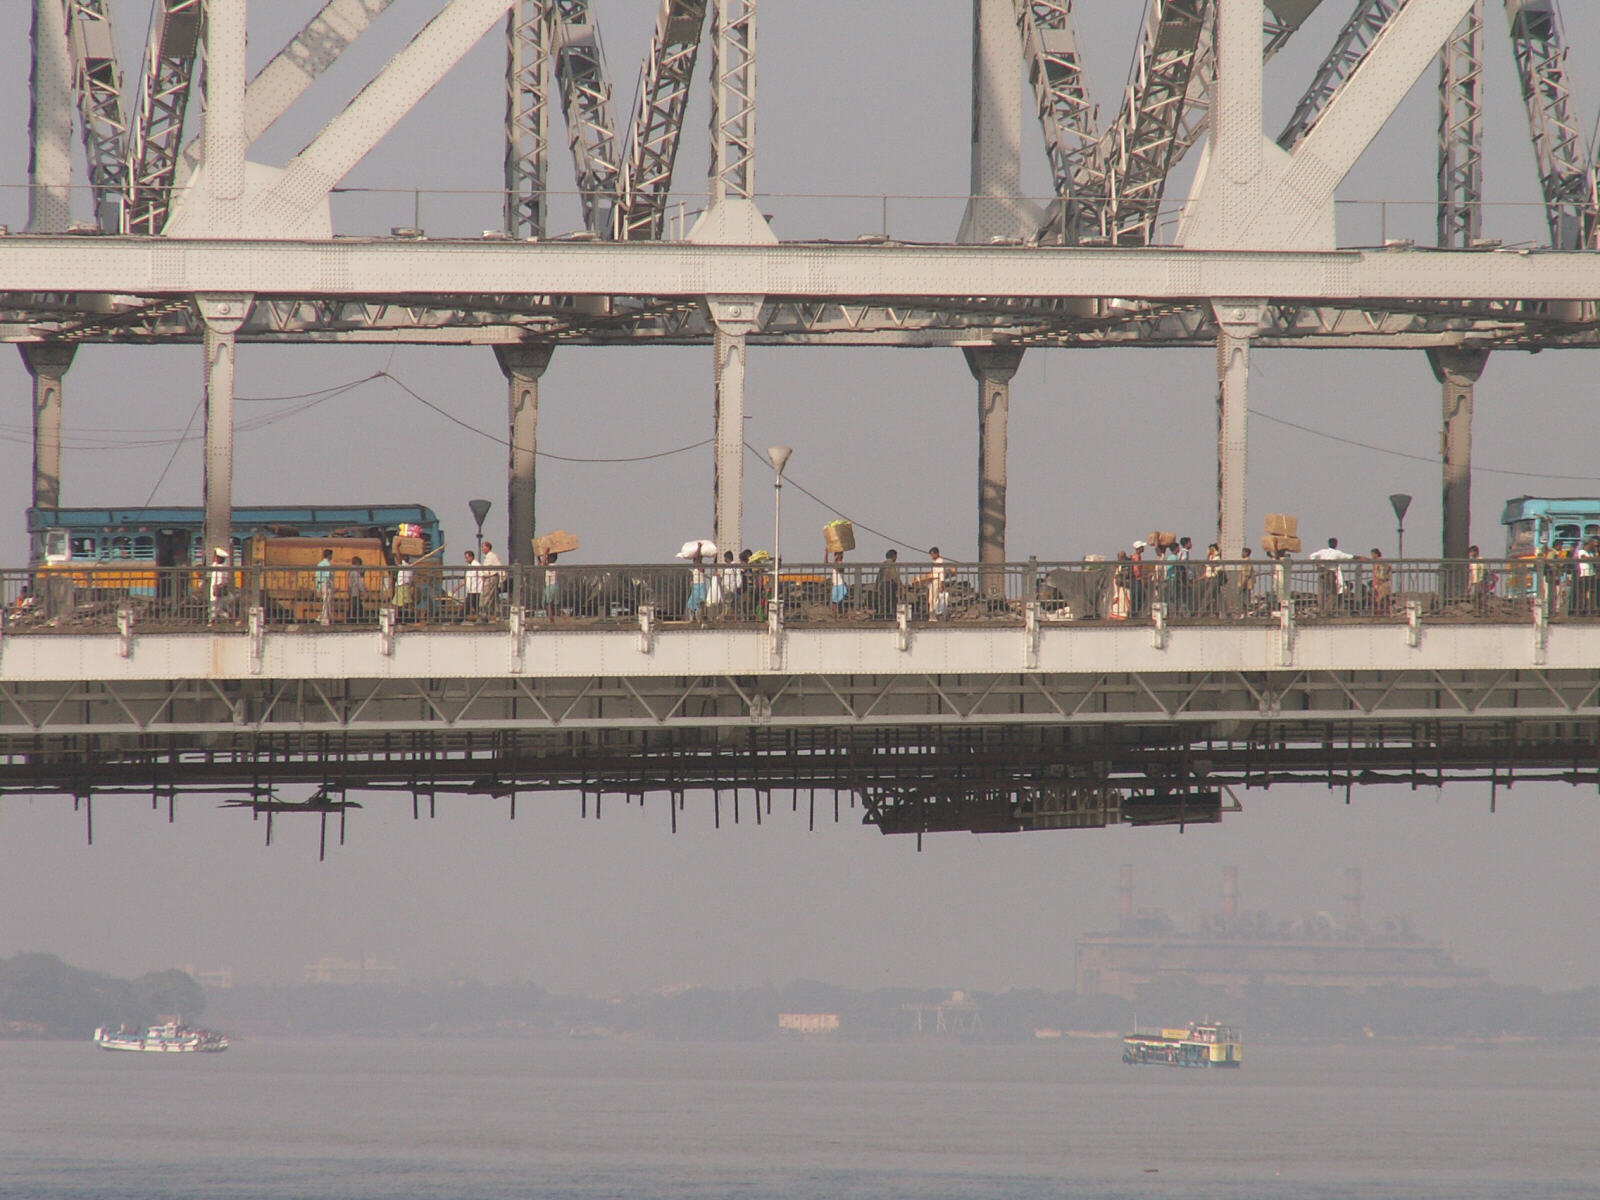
(471, 587)
(324, 578)
(494, 574)
(886, 602)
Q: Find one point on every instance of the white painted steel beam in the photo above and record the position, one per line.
(1252, 193)
(221, 191)
(400, 268)
(294, 202)
(1064, 651)
(295, 68)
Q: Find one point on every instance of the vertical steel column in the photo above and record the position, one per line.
(736, 318)
(50, 114)
(47, 363)
(1237, 323)
(223, 315)
(1457, 370)
(225, 142)
(522, 366)
(527, 118)
(994, 202)
(993, 368)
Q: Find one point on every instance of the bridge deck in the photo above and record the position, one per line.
(1003, 713)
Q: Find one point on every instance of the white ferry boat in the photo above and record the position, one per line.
(170, 1038)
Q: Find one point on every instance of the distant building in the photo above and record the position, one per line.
(1233, 951)
(365, 969)
(809, 1022)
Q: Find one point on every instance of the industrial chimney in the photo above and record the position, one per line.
(1352, 899)
(1125, 901)
(1230, 894)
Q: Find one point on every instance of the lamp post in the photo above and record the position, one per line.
(1399, 501)
(480, 510)
(778, 456)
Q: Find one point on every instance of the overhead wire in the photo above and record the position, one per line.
(1334, 437)
(804, 491)
(173, 457)
(500, 441)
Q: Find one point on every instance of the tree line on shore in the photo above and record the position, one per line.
(42, 997)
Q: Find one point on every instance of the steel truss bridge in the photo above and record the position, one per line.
(191, 240)
(1006, 716)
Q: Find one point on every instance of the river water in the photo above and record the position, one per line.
(459, 1119)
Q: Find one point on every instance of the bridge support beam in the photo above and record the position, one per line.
(1457, 371)
(50, 122)
(223, 315)
(522, 366)
(47, 363)
(1237, 323)
(993, 368)
(736, 318)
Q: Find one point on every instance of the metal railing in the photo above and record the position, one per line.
(913, 217)
(114, 596)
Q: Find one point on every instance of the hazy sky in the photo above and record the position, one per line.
(856, 100)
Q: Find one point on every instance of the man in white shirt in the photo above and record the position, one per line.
(1330, 578)
(471, 587)
(493, 572)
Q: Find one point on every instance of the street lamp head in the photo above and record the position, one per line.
(778, 456)
(1400, 502)
(480, 510)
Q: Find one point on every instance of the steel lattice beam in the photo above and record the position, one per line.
(527, 162)
(97, 77)
(1566, 175)
(657, 129)
(1066, 109)
(733, 100)
(1460, 220)
(157, 135)
(1141, 145)
(586, 106)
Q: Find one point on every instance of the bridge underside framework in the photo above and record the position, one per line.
(1107, 728)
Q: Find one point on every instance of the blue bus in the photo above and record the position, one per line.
(1543, 525)
(96, 540)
